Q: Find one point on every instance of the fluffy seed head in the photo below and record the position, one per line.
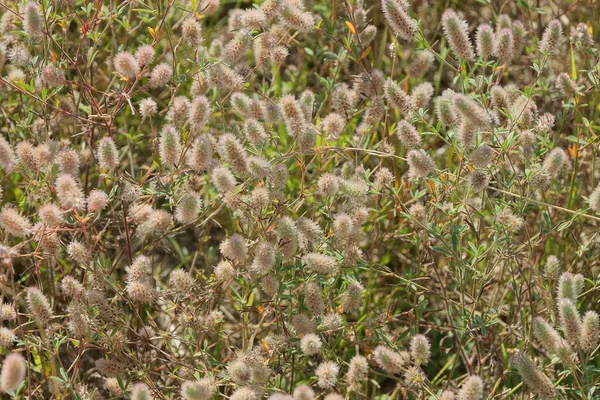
(140, 391)
(320, 263)
(570, 321)
(420, 349)
(14, 223)
(471, 389)
(191, 32)
(590, 332)
(485, 41)
(126, 65)
(505, 46)
(533, 377)
(169, 146)
(313, 298)
(13, 372)
(389, 360)
(398, 98)
(456, 32)
(69, 193)
(396, 15)
(32, 20)
(144, 55)
(202, 389)
(97, 200)
(310, 344)
(107, 153)
(38, 305)
(235, 248)
(223, 179)
(160, 76)
(552, 37)
(566, 85)
(327, 373)
(420, 164)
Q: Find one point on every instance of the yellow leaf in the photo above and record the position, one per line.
(153, 32)
(350, 27)
(365, 53)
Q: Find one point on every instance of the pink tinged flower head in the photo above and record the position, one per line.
(107, 153)
(485, 41)
(14, 223)
(396, 15)
(533, 377)
(456, 32)
(126, 65)
(13, 372)
(552, 37)
(420, 164)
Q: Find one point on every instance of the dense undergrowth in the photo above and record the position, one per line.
(321, 200)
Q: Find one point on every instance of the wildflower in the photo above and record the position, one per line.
(397, 97)
(199, 112)
(7, 155)
(126, 65)
(566, 85)
(38, 305)
(420, 164)
(223, 179)
(50, 214)
(422, 94)
(552, 267)
(519, 37)
(456, 32)
(444, 109)
(327, 373)
(310, 344)
(32, 20)
(79, 253)
(293, 115)
(202, 389)
(570, 286)
(52, 76)
(303, 392)
(422, 62)
(389, 360)
(169, 146)
(396, 15)
(68, 192)
(181, 282)
(358, 370)
(471, 111)
(570, 321)
(295, 17)
(234, 248)
(148, 107)
(14, 223)
(160, 76)
(144, 55)
(97, 200)
(590, 331)
(224, 271)
(140, 391)
(13, 372)
(533, 377)
(420, 349)
(505, 46)
(69, 163)
(552, 37)
(235, 49)
(7, 337)
(191, 32)
(108, 156)
(320, 263)
(549, 338)
(479, 180)
(232, 151)
(471, 389)
(485, 41)
(313, 298)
